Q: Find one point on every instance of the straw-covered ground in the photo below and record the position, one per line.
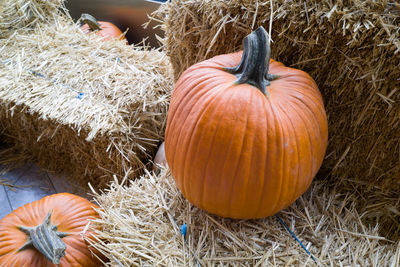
(141, 227)
(73, 102)
(351, 49)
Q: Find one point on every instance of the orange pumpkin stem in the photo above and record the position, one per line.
(91, 22)
(46, 240)
(254, 64)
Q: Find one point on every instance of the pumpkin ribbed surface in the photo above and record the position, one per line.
(237, 153)
(69, 213)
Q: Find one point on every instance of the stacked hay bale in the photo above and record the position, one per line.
(73, 102)
(351, 49)
(141, 225)
(25, 14)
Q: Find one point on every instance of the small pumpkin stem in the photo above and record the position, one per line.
(46, 240)
(254, 64)
(91, 22)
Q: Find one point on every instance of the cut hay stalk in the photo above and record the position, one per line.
(140, 226)
(79, 105)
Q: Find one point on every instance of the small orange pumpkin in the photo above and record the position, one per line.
(101, 28)
(245, 135)
(48, 232)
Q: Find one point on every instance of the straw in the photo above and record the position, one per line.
(76, 104)
(141, 226)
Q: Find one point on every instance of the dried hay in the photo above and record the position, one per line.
(140, 227)
(351, 48)
(76, 104)
(25, 14)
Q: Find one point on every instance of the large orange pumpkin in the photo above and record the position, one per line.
(245, 135)
(48, 232)
(102, 28)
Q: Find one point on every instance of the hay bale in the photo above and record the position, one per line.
(140, 223)
(351, 49)
(25, 14)
(79, 105)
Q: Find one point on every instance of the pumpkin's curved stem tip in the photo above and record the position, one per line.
(91, 21)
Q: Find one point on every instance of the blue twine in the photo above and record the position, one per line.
(38, 74)
(183, 229)
(80, 94)
(295, 237)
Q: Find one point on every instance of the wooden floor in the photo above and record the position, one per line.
(27, 184)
